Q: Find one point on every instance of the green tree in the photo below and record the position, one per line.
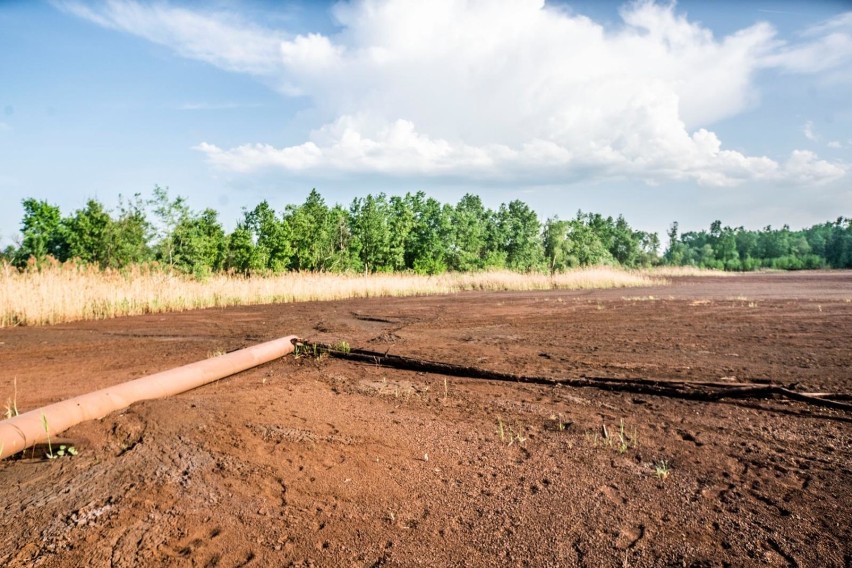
(475, 239)
(649, 246)
(341, 253)
(587, 248)
(746, 242)
(93, 236)
(772, 244)
(371, 230)
(311, 239)
(624, 243)
(426, 249)
(241, 254)
(129, 234)
(401, 225)
(198, 244)
(838, 249)
(520, 230)
(557, 246)
(169, 214)
(726, 248)
(271, 235)
(42, 231)
(676, 250)
(89, 234)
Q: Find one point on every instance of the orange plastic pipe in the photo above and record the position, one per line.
(20, 432)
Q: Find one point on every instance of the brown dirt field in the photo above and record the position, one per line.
(330, 463)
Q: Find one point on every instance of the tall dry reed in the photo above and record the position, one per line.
(678, 271)
(58, 293)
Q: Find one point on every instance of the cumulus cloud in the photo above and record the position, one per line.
(502, 89)
(803, 166)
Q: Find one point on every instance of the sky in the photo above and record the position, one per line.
(690, 111)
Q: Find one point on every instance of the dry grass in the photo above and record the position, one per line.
(676, 271)
(62, 293)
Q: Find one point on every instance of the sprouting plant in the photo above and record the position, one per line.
(65, 450)
(559, 423)
(306, 350)
(624, 440)
(342, 346)
(508, 434)
(621, 441)
(217, 353)
(12, 403)
(50, 455)
(518, 436)
(662, 469)
(445, 388)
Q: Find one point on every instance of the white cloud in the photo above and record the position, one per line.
(826, 46)
(835, 144)
(803, 166)
(808, 131)
(502, 89)
(219, 38)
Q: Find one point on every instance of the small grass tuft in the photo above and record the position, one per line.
(12, 403)
(621, 441)
(662, 469)
(557, 423)
(509, 435)
(46, 426)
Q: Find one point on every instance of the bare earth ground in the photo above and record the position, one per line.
(331, 463)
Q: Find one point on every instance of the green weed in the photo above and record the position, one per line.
(311, 350)
(65, 451)
(621, 441)
(662, 469)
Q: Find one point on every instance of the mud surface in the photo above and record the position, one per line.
(328, 463)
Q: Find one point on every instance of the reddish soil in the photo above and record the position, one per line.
(330, 463)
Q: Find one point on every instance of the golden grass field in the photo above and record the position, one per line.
(58, 293)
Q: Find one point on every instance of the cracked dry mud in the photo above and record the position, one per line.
(327, 463)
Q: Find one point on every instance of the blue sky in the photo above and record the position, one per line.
(695, 111)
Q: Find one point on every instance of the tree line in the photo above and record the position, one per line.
(380, 233)
(828, 245)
